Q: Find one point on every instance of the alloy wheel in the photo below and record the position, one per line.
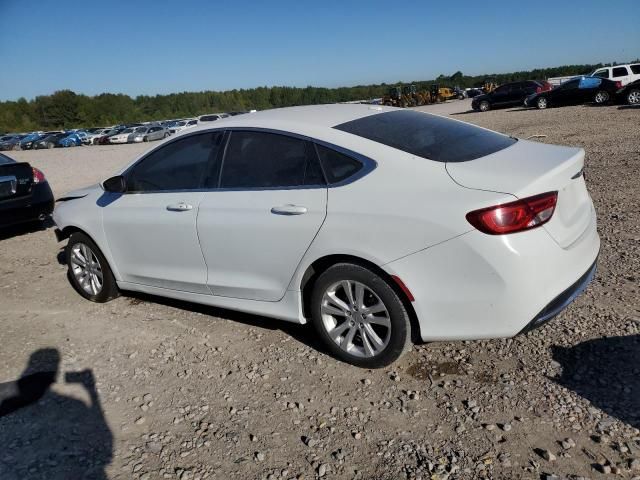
(634, 97)
(86, 268)
(355, 318)
(602, 97)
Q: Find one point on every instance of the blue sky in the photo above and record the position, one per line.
(149, 47)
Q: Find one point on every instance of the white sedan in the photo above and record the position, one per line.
(122, 137)
(376, 225)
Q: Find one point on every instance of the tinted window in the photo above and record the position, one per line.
(570, 84)
(4, 160)
(620, 72)
(179, 165)
(267, 160)
(602, 73)
(337, 166)
(636, 69)
(502, 89)
(428, 136)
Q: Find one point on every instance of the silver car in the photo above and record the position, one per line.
(146, 134)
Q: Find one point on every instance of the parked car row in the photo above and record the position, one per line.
(127, 133)
(609, 84)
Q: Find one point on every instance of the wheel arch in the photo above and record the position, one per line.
(66, 232)
(320, 265)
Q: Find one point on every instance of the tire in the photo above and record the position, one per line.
(602, 97)
(79, 247)
(50, 145)
(373, 344)
(542, 103)
(633, 97)
(145, 139)
(485, 106)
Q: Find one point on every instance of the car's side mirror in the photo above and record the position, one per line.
(116, 184)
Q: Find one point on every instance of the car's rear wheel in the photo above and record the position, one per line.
(633, 97)
(601, 97)
(50, 145)
(542, 103)
(359, 316)
(485, 106)
(89, 271)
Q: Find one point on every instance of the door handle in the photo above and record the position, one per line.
(289, 210)
(179, 207)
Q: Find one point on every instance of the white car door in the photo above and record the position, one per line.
(256, 227)
(151, 229)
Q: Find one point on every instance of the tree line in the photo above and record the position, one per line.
(65, 109)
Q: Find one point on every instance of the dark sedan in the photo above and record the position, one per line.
(49, 141)
(508, 95)
(631, 93)
(25, 194)
(11, 142)
(575, 92)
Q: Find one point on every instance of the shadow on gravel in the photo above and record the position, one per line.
(629, 107)
(465, 113)
(47, 435)
(25, 228)
(605, 372)
(302, 333)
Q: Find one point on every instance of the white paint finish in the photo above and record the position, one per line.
(154, 245)
(529, 168)
(250, 251)
(407, 216)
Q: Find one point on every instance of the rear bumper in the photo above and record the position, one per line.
(29, 208)
(562, 301)
(482, 286)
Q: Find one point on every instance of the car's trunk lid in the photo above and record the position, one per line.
(16, 180)
(530, 168)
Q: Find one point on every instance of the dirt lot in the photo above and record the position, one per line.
(190, 392)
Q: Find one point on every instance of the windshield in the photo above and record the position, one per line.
(141, 129)
(4, 159)
(179, 124)
(428, 136)
(127, 130)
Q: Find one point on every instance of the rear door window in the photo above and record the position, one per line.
(337, 166)
(636, 69)
(620, 72)
(269, 160)
(428, 136)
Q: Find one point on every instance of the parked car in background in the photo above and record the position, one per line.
(147, 134)
(576, 91)
(49, 141)
(508, 95)
(104, 138)
(27, 142)
(624, 74)
(182, 125)
(95, 133)
(25, 194)
(121, 137)
(512, 242)
(11, 142)
(212, 117)
(631, 93)
(73, 139)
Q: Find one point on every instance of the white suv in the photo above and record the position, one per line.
(620, 73)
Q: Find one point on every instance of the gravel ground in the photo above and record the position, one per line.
(151, 388)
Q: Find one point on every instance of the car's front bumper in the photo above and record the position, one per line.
(483, 286)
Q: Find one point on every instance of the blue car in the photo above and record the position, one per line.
(71, 140)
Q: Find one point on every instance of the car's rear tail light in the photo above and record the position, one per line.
(38, 176)
(515, 216)
(618, 84)
(538, 89)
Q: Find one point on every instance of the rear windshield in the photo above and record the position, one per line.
(428, 136)
(4, 160)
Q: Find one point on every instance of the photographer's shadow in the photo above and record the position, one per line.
(47, 435)
(604, 372)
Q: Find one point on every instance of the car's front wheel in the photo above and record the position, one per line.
(542, 103)
(359, 316)
(485, 106)
(89, 271)
(601, 97)
(633, 97)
